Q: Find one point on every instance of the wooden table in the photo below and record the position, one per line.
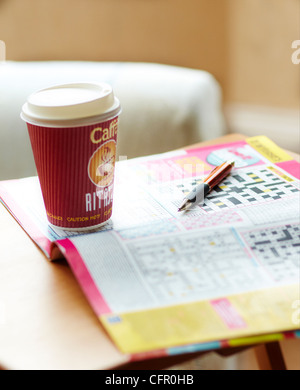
(45, 320)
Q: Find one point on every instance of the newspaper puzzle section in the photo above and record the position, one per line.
(198, 272)
(159, 279)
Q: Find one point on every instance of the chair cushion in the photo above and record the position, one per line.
(163, 107)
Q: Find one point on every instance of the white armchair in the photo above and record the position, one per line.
(164, 107)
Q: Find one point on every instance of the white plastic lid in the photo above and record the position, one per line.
(71, 103)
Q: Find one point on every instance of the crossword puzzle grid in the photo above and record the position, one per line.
(277, 249)
(244, 188)
(196, 264)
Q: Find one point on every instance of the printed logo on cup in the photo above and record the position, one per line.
(101, 164)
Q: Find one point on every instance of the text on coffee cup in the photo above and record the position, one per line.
(98, 134)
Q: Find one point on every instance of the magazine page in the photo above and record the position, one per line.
(234, 259)
(151, 270)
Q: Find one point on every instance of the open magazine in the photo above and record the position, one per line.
(224, 273)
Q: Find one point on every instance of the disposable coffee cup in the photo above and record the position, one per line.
(73, 133)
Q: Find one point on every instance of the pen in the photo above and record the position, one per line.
(198, 194)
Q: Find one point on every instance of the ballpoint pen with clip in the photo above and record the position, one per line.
(198, 194)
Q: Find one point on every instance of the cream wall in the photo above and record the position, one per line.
(262, 94)
(260, 35)
(245, 44)
(187, 33)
